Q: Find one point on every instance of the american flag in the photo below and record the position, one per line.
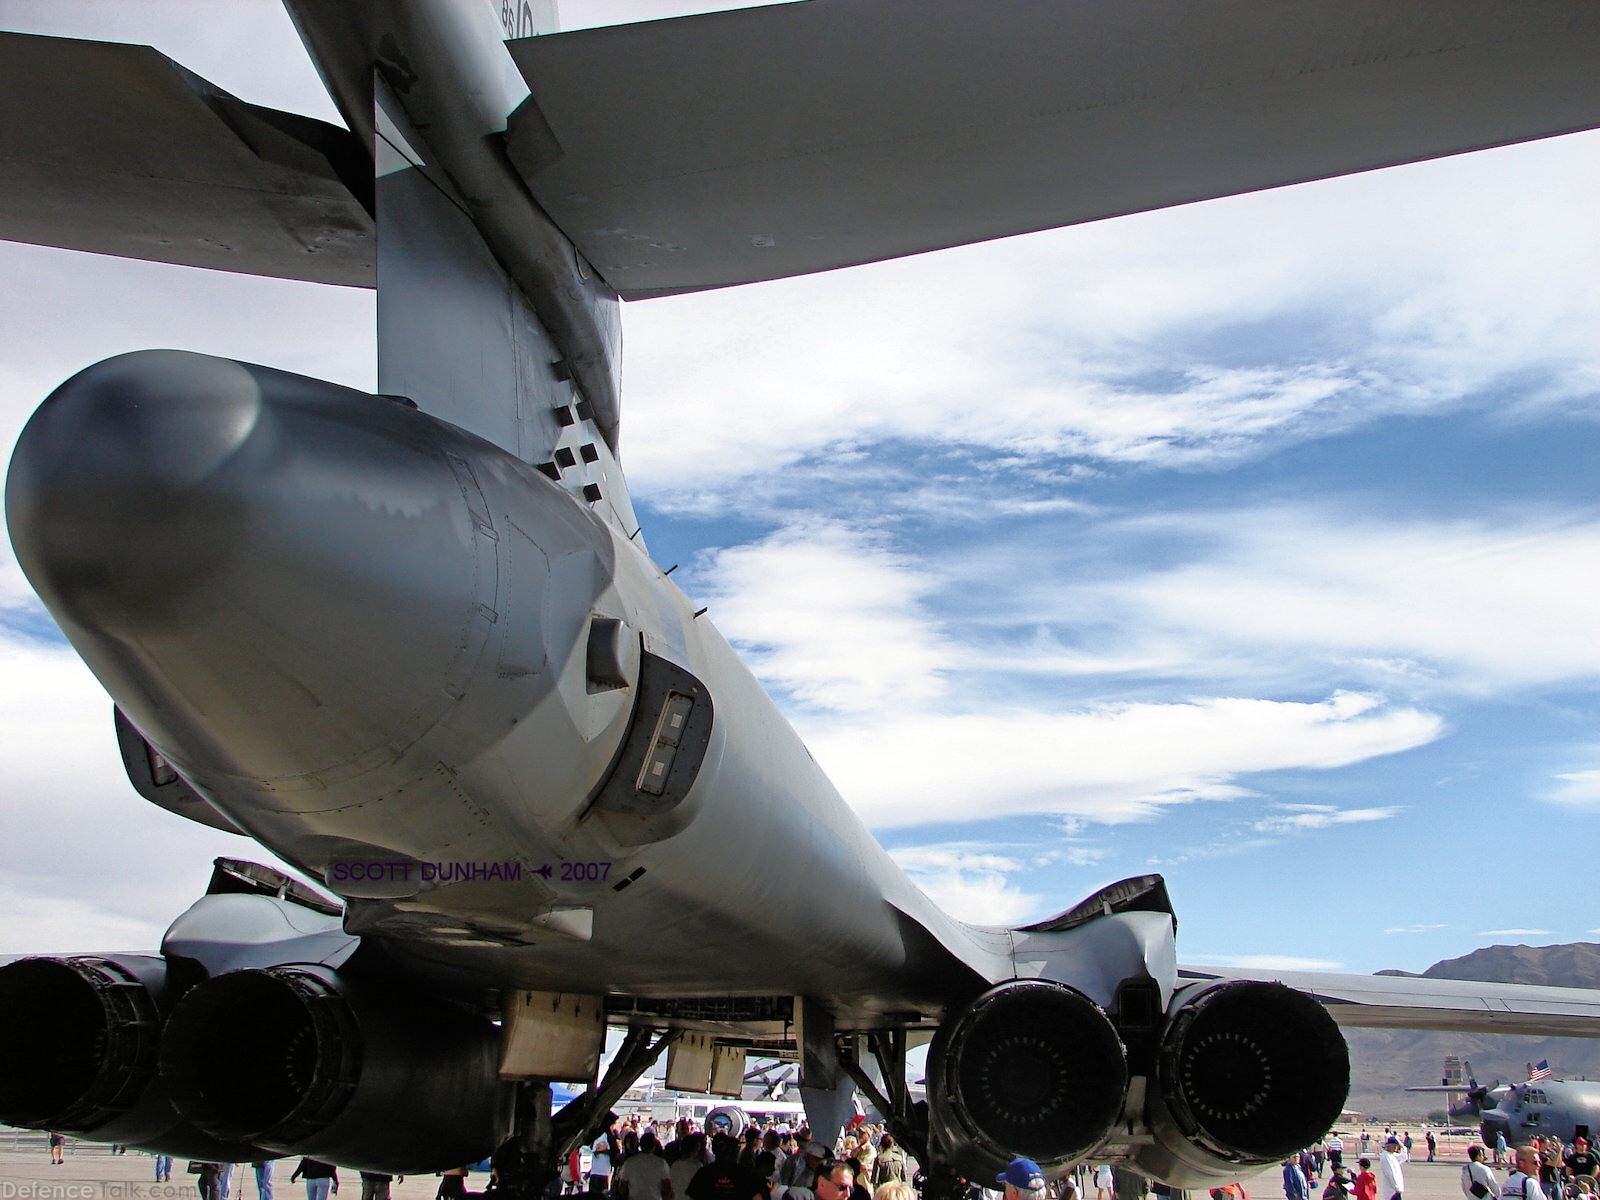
(1542, 1071)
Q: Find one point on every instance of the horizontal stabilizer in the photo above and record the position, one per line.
(119, 150)
(1448, 1005)
(738, 146)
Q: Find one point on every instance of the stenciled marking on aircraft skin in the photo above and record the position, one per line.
(389, 641)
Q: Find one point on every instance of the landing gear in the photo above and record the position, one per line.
(908, 1122)
(528, 1164)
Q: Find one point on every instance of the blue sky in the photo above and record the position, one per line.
(1255, 542)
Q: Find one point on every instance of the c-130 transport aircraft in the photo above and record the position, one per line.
(414, 642)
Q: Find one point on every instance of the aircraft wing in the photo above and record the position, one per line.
(1450, 1005)
(738, 146)
(118, 150)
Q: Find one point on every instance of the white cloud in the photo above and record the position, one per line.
(970, 884)
(1330, 593)
(1516, 933)
(1108, 763)
(1305, 818)
(82, 851)
(894, 711)
(1581, 789)
(953, 858)
(828, 615)
(1415, 928)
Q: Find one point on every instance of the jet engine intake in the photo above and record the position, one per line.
(1031, 1068)
(302, 1061)
(1247, 1073)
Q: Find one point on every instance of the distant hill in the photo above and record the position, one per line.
(1383, 1062)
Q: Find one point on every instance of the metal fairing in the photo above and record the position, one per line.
(414, 641)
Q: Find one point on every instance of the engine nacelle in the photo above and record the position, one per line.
(1248, 1073)
(301, 1061)
(1031, 1068)
(79, 1042)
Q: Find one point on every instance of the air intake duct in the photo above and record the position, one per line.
(1248, 1073)
(79, 1042)
(302, 1061)
(1031, 1068)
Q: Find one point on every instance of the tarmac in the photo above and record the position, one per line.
(92, 1172)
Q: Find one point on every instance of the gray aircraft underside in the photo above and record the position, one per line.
(415, 644)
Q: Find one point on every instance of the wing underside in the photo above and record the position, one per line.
(118, 150)
(738, 146)
(1450, 1005)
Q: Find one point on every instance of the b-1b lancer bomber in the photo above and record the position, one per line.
(415, 644)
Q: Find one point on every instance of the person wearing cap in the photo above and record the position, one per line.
(1391, 1179)
(1023, 1180)
(1365, 1184)
(798, 1170)
(1581, 1161)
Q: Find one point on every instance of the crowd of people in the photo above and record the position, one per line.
(636, 1160)
(1543, 1170)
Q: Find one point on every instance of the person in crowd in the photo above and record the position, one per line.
(1021, 1180)
(800, 1169)
(863, 1154)
(691, 1157)
(1338, 1185)
(644, 1175)
(602, 1158)
(163, 1168)
(724, 1179)
(375, 1186)
(1500, 1148)
(263, 1170)
(1104, 1183)
(894, 1189)
(1477, 1180)
(1581, 1162)
(889, 1166)
(1295, 1185)
(834, 1181)
(322, 1179)
(1391, 1177)
(452, 1184)
(206, 1179)
(770, 1160)
(1335, 1149)
(58, 1149)
(224, 1181)
(749, 1147)
(1433, 1144)
(1366, 1183)
(1550, 1168)
(1523, 1182)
